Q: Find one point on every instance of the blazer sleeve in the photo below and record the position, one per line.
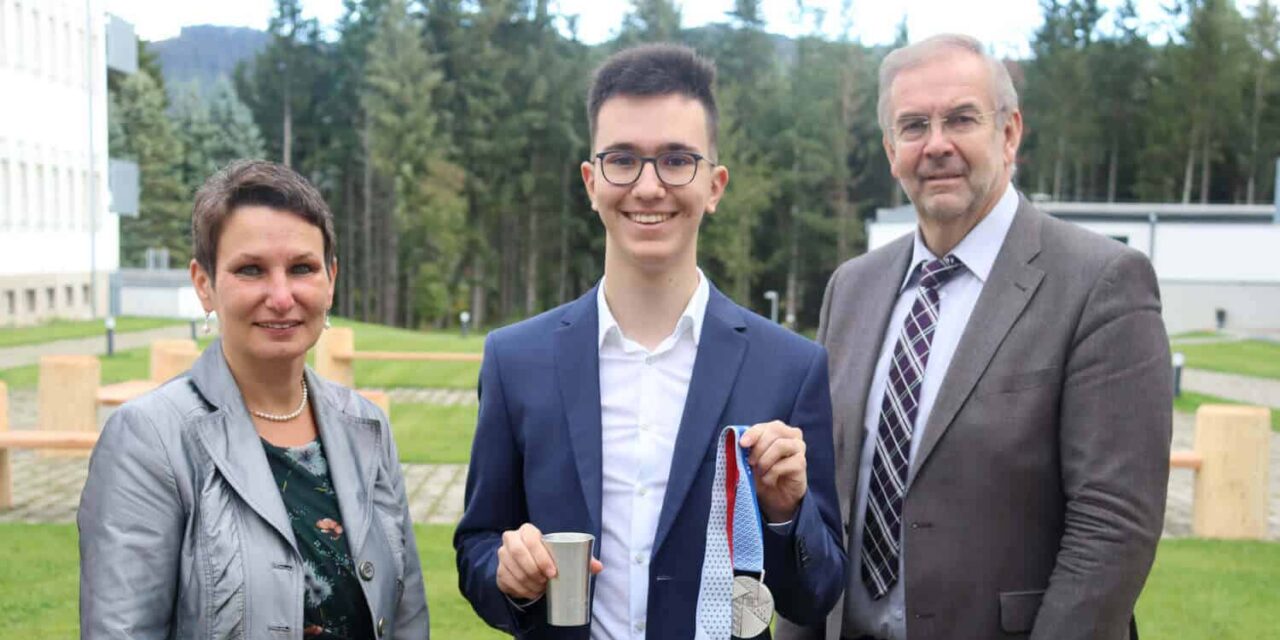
(412, 616)
(494, 503)
(131, 523)
(1115, 424)
(806, 569)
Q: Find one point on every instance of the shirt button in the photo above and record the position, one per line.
(639, 558)
(640, 626)
(366, 570)
(649, 359)
(644, 491)
(897, 614)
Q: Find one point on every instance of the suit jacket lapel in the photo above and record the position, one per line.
(715, 369)
(867, 323)
(352, 447)
(1006, 293)
(577, 356)
(232, 443)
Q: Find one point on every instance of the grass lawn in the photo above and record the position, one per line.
(66, 329)
(432, 433)
(1212, 589)
(1189, 401)
(40, 584)
(1198, 588)
(1256, 358)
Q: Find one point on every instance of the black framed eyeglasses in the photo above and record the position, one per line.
(673, 168)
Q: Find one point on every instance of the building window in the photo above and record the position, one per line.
(70, 293)
(87, 293)
(51, 298)
(11, 303)
(31, 300)
(6, 194)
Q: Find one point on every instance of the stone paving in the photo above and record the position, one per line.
(1263, 392)
(30, 354)
(47, 489)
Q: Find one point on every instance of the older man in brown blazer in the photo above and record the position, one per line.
(1001, 387)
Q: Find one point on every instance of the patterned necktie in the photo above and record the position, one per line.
(881, 536)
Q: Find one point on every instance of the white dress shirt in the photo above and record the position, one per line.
(886, 618)
(642, 397)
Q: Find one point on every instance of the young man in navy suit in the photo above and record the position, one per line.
(601, 416)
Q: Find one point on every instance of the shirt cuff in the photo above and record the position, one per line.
(520, 603)
(782, 528)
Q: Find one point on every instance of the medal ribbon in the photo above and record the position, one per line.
(735, 536)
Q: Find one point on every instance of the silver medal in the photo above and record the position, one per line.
(752, 607)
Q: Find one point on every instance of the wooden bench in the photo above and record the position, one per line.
(9, 440)
(336, 354)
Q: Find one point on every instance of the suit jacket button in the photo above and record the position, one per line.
(382, 624)
(366, 570)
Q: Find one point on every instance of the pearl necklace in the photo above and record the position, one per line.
(275, 417)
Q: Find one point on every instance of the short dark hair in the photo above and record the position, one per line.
(249, 183)
(655, 70)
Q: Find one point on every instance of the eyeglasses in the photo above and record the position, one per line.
(956, 123)
(674, 168)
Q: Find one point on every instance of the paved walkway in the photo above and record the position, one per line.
(47, 489)
(1263, 392)
(30, 354)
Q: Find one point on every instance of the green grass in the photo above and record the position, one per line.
(1197, 334)
(1211, 589)
(433, 375)
(1197, 589)
(40, 584)
(1256, 358)
(68, 329)
(1189, 401)
(433, 434)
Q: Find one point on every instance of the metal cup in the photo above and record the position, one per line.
(569, 593)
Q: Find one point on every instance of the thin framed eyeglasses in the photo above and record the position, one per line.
(673, 168)
(956, 123)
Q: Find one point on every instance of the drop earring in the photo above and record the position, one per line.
(327, 324)
(207, 329)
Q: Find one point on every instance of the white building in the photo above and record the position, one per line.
(1216, 263)
(58, 240)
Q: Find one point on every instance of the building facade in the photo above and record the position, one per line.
(58, 240)
(1214, 262)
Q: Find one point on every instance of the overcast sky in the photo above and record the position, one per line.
(1005, 25)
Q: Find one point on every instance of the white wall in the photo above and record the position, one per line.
(160, 302)
(49, 162)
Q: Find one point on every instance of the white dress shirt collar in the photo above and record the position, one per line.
(691, 318)
(978, 249)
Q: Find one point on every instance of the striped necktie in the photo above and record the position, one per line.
(881, 537)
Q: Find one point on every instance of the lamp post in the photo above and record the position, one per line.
(772, 297)
(465, 319)
(110, 323)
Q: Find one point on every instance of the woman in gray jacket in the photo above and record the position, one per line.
(249, 498)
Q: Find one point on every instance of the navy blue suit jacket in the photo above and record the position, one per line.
(537, 458)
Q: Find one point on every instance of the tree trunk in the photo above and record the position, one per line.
(366, 233)
(1189, 171)
(531, 267)
(478, 298)
(346, 270)
(793, 270)
(1258, 86)
(562, 284)
(1113, 169)
(1059, 160)
(391, 256)
(1204, 169)
(287, 143)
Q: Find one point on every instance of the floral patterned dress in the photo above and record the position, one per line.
(334, 607)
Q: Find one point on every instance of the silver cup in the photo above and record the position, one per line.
(569, 593)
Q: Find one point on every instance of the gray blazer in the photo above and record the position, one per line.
(1037, 497)
(183, 533)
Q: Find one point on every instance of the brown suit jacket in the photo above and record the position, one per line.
(1037, 496)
